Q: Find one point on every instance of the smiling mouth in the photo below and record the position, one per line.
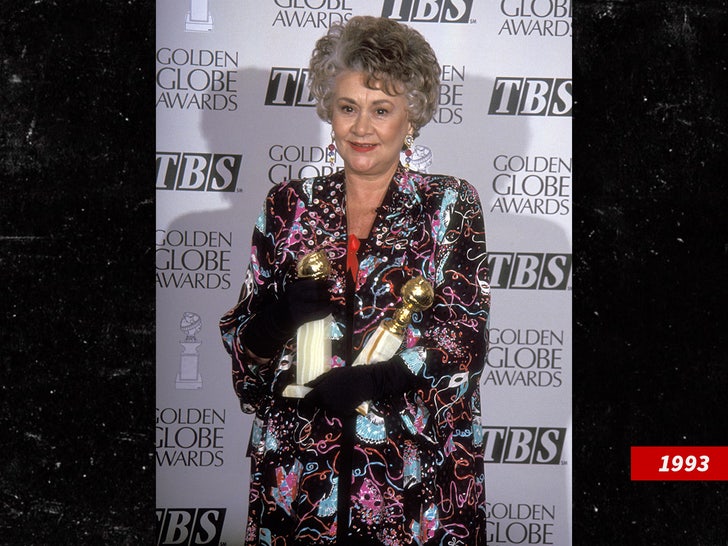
(362, 146)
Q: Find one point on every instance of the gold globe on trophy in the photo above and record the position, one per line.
(315, 266)
(417, 295)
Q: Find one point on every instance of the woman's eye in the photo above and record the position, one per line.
(382, 111)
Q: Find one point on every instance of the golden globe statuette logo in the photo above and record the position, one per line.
(421, 159)
(313, 347)
(417, 295)
(188, 376)
(198, 18)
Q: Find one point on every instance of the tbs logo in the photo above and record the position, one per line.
(531, 97)
(189, 526)
(428, 11)
(523, 445)
(288, 87)
(529, 270)
(197, 172)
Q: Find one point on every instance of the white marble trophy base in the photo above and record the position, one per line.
(296, 391)
(313, 355)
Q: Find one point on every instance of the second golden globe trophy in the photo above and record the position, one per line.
(417, 295)
(313, 344)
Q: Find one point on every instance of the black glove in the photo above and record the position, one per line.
(341, 390)
(304, 300)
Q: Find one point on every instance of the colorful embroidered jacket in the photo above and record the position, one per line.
(411, 471)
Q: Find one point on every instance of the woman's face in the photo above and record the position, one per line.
(369, 126)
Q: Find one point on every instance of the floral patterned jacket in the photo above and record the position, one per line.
(411, 471)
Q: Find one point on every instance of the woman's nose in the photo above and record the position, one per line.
(361, 124)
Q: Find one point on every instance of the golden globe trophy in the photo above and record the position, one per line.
(417, 295)
(313, 347)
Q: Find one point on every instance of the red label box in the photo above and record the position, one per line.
(651, 463)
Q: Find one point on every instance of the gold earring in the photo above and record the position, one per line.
(409, 141)
(331, 151)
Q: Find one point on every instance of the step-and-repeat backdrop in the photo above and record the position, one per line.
(234, 116)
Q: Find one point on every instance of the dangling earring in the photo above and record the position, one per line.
(331, 151)
(409, 140)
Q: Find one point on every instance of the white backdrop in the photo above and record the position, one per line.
(234, 116)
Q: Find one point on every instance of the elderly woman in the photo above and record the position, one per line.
(410, 471)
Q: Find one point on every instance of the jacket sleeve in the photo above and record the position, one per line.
(252, 378)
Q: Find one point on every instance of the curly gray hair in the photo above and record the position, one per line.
(391, 54)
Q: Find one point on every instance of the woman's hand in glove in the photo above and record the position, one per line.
(341, 390)
(303, 301)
